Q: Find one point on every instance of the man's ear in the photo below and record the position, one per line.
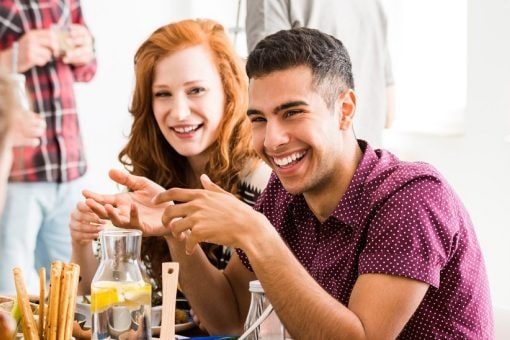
(347, 102)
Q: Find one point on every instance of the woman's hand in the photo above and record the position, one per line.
(133, 209)
(85, 225)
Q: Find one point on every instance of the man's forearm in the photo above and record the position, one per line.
(306, 309)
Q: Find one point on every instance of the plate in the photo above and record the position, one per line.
(180, 327)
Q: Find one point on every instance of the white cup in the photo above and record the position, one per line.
(21, 90)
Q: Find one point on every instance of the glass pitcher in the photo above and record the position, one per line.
(121, 298)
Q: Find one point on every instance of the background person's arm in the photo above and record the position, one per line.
(82, 60)
(34, 48)
(264, 17)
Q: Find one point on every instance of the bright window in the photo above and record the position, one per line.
(428, 46)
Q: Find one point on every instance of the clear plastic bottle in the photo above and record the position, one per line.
(271, 328)
(121, 298)
(21, 90)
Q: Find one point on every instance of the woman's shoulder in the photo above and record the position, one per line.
(254, 180)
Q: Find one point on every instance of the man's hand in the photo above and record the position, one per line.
(83, 51)
(35, 48)
(133, 209)
(211, 215)
(28, 127)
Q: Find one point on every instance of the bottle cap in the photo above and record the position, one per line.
(256, 287)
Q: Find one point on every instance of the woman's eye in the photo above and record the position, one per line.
(257, 119)
(197, 90)
(162, 94)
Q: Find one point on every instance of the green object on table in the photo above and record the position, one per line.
(16, 312)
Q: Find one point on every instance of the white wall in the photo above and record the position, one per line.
(119, 27)
(476, 163)
(488, 101)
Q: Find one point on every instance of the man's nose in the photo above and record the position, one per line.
(275, 136)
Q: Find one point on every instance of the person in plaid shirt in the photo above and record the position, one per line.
(49, 43)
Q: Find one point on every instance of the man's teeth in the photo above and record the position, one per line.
(186, 129)
(283, 161)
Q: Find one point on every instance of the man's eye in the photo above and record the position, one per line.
(292, 112)
(197, 90)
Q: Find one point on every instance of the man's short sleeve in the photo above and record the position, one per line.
(413, 233)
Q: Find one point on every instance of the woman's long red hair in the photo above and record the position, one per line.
(147, 152)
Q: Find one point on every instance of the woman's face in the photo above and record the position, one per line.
(188, 100)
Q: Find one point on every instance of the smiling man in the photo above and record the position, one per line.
(347, 241)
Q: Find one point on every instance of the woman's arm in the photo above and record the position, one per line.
(84, 226)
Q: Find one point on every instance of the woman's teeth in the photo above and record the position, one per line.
(186, 129)
(283, 161)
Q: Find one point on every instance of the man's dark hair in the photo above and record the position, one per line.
(325, 55)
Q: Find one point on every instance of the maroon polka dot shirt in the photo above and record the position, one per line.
(396, 218)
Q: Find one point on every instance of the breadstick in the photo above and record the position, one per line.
(42, 296)
(27, 317)
(74, 271)
(53, 303)
(65, 287)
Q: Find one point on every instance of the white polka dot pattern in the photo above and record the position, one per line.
(395, 218)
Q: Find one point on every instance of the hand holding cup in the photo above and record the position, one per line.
(75, 44)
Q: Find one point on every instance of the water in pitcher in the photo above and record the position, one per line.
(121, 309)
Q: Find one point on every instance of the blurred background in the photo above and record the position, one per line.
(452, 75)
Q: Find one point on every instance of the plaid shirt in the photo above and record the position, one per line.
(60, 156)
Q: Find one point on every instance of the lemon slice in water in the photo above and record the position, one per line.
(108, 293)
(104, 295)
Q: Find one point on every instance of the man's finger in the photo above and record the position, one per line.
(174, 212)
(209, 185)
(177, 195)
(180, 226)
(191, 244)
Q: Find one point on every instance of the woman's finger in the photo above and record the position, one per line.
(97, 208)
(116, 216)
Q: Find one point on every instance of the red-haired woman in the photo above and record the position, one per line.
(189, 108)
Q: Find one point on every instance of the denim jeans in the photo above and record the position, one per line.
(34, 229)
